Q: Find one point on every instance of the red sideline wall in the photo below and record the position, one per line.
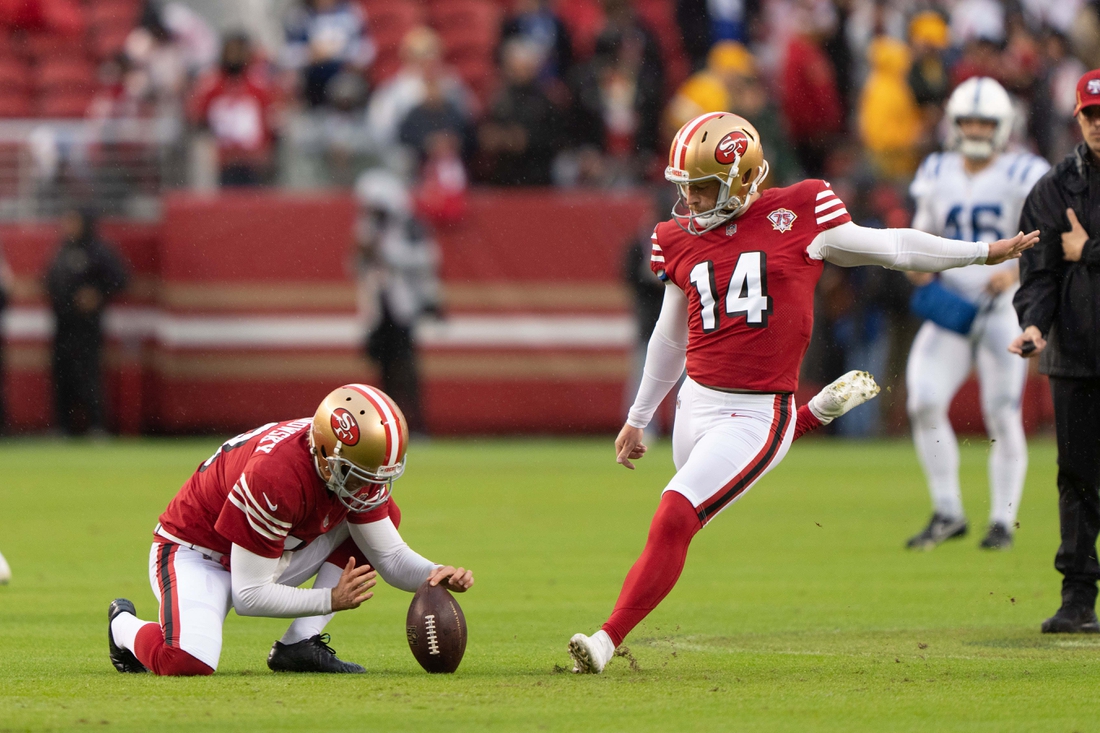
(242, 310)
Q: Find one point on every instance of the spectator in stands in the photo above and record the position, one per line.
(7, 284)
(520, 134)
(1052, 121)
(85, 274)
(981, 57)
(435, 114)
(535, 21)
(234, 103)
(421, 59)
(928, 80)
(889, 118)
(323, 38)
(713, 88)
(398, 282)
(152, 48)
(441, 137)
(750, 99)
(618, 94)
(811, 100)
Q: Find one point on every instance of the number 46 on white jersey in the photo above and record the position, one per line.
(746, 295)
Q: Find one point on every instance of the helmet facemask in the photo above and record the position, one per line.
(349, 481)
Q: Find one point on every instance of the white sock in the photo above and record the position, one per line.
(938, 451)
(604, 644)
(304, 628)
(1007, 465)
(125, 629)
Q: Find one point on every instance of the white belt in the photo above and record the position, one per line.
(215, 556)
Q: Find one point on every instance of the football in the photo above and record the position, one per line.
(436, 629)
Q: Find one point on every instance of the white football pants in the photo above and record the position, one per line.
(195, 592)
(939, 363)
(723, 443)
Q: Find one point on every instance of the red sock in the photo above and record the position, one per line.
(806, 422)
(159, 658)
(659, 567)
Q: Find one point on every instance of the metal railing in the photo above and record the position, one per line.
(120, 167)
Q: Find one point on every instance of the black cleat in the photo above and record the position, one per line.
(939, 529)
(311, 655)
(123, 659)
(1072, 620)
(997, 538)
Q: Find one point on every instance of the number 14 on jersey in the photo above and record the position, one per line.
(746, 295)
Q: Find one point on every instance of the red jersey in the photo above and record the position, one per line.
(262, 492)
(750, 287)
(238, 112)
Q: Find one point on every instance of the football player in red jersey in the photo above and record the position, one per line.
(740, 268)
(271, 508)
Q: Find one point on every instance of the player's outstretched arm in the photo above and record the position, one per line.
(1011, 249)
(849, 245)
(397, 563)
(629, 446)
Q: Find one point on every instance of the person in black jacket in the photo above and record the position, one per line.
(1058, 304)
(84, 275)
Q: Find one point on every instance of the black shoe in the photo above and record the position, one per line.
(312, 655)
(939, 529)
(123, 659)
(1072, 620)
(997, 538)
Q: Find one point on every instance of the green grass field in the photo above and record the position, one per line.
(799, 610)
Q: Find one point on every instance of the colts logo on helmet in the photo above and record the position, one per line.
(731, 147)
(345, 427)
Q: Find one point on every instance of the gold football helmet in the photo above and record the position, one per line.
(358, 440)
(719, 146)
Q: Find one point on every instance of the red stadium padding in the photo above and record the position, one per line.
(241, 311)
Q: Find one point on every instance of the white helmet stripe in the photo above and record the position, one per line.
(393, 427)
(685, 137)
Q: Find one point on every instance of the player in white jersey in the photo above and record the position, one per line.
(973, 191)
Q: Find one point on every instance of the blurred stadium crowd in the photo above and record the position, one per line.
(442, 94)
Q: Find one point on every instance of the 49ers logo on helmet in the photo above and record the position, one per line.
(731, 147)
(344, 425)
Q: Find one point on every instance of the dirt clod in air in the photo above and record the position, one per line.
(624, 652)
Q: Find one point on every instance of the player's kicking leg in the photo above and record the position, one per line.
(712, 474)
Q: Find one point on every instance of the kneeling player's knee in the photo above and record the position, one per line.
(175, 662)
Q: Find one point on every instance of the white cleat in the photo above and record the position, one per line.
(591, 653)
(851, 390)
(5, 571)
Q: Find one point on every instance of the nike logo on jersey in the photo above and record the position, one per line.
(272, 507)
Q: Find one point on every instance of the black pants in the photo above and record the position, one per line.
(77, 378)
(1077, 420)
(391, 345)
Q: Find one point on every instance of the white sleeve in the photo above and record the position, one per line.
(664, 359)
(255, 592)
(394, 560)
(849, 245)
